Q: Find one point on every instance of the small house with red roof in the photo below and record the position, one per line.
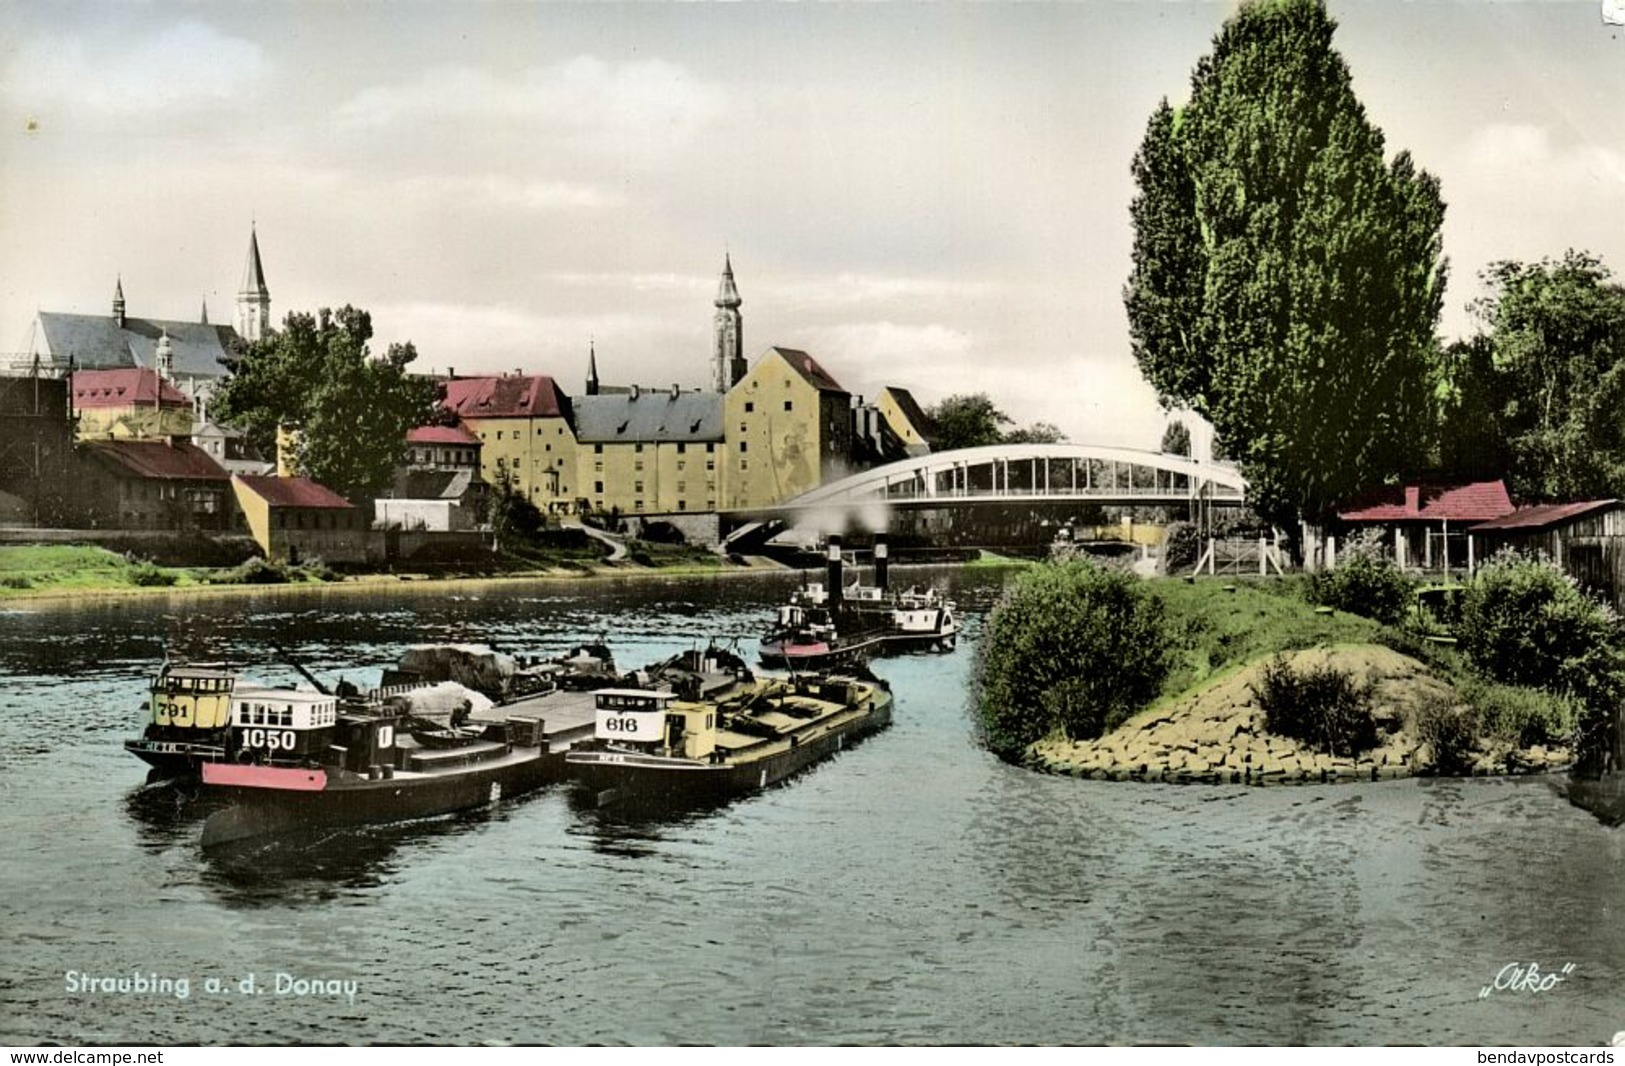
(789, 429)
(1586, 539)
(1427, 524)
(438, 488)
(135, 403)
(522, 423)
(152, 484)
(295, 519)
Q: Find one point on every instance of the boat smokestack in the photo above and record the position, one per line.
(834, 577)
(881, 562)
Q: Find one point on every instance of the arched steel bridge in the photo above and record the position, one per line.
(1022, 474)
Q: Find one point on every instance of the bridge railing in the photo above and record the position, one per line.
(912, 491)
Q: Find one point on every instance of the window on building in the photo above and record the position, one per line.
(788, 405)
(709, 448)
(637, 505)
(744, 464)
(710, 464)
(499, 434)
(681, 447)
(598, 449)
(638, 465)
(743, 446)
(638, 448)
(749, 407)
(637, 486)
(598, 467)
(682, 486)
(681, 463)
(682, 505)
(598, 487)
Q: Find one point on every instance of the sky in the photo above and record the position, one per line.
(933, 196)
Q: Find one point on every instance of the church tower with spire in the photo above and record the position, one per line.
(592, 368)
(253, 299)
(728, 351)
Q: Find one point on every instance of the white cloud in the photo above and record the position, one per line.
(628, 102)
(501, 191)
(1525, 155)
(184, 66)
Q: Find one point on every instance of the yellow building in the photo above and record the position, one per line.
(788, 426)
(295, 519)
(903, 414)
(130, 404)
(648, 451)
(523, 424)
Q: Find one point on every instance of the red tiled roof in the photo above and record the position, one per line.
(158, 459)
(808, 368)
(505, 397)
(1475, 502)
(441, 435)
(1545, 515)
(292, 491)
(124, 388)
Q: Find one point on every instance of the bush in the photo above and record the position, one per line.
(16, 581)
(255, 571)
(1071, 647)
(662, 532)
(1322, 707)
(1181, 547)
(1525, 622)
(1451, 733)
(146, 575)
(1523, 716)
(1366, 582)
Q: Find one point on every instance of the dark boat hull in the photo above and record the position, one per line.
(257, 812)
(629, 780)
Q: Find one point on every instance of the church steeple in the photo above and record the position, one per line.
(118, 302)
(253, 299)
(164, 357)
(728, 350)
(203, 315)
(592, 368)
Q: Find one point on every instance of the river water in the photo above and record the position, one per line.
(913, 889)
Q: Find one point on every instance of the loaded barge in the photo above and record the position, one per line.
(714, 736)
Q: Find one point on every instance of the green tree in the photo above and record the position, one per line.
(353, 410)
(1037, 433)
(1287, 279)
(1539, 393)
(515, 520)
(1176, 439)
(967, 420)
(1073, 647)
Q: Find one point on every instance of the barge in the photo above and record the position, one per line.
(706, 743)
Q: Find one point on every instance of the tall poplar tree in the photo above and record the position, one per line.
(1287, 278)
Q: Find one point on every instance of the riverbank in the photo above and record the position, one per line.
(68, 574)
(1209, 725)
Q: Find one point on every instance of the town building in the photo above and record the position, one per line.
(198, 352)
(230, 448)
(789, 428)
(438, 488)
(152, 485)
(650, 451)
(906, 419)
(36, 448)
(523, 425)
(132, 403)
(294, 519)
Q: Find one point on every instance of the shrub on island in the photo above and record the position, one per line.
(1321, 707)
(1073, 647)
(1366, 582)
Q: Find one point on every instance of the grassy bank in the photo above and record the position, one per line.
(1209, 723)
(58, 572)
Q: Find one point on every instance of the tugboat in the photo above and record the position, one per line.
(712, 737)
(829, 625)
(290, 759)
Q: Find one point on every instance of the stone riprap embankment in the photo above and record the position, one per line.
(1217, 735)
